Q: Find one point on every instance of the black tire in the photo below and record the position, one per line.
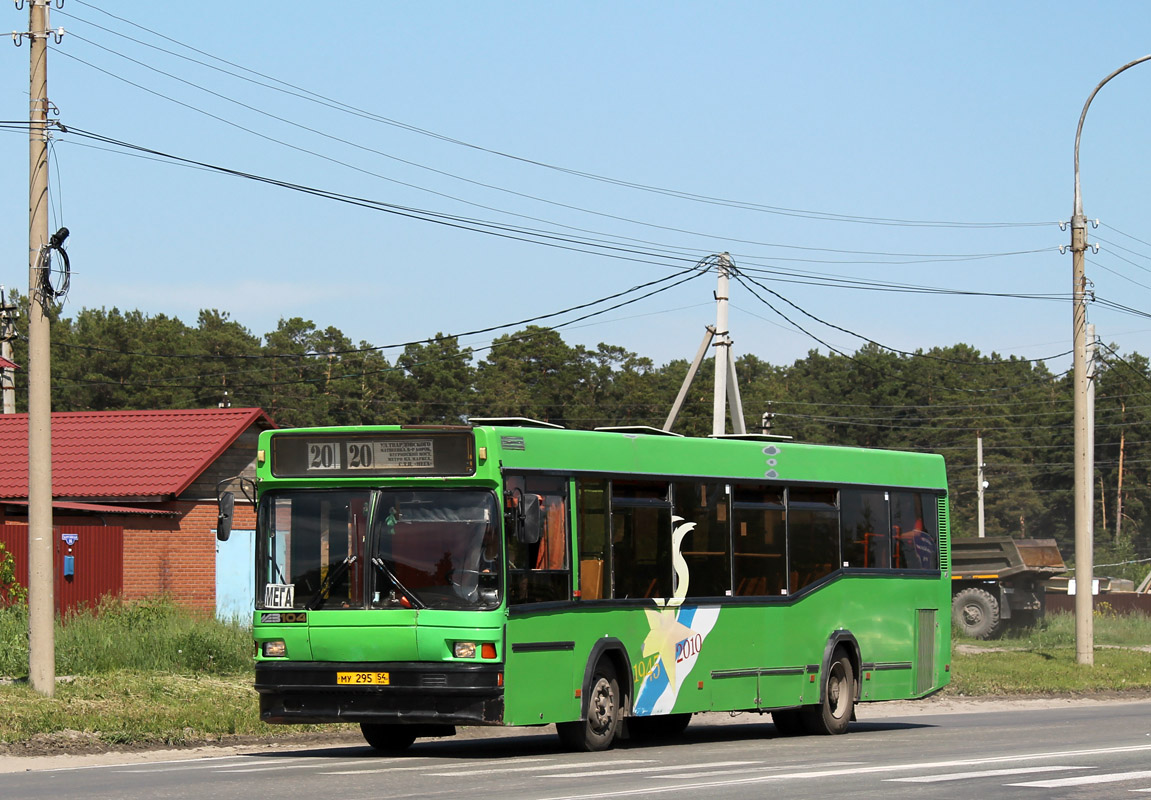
(657, 728)
(598, 730)
(788, 722)
(388, 738)
(831, 716)
(976, 613)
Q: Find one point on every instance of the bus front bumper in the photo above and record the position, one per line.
(415, 693)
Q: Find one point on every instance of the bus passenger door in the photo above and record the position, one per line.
(540, 673)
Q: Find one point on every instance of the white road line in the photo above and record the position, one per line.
(593, 770)
(1085, 780)
(987, 773)
(170, 766)
(240, 769)
(827, 773)
(426, 765)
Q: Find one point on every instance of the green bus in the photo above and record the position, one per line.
(612, 582)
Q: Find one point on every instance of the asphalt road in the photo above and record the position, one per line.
(1024, 751)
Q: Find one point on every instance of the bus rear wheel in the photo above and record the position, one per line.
(598, 730)
(388, 738)
(831, 716)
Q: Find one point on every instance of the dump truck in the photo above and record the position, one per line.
(998, 581)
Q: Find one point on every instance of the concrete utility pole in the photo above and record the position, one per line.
(979, 477)
(7, 374)
(726, 385)
(1092, 371)
(41, 600)
(1084, 544)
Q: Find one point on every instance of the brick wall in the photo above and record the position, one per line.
(177, 556)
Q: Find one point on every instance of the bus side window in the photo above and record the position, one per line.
(915, 530)
(538, 562)
(865, 529)
(812, 535)
(641, 539)
(759, 547)
(706, 549)
(594, 543)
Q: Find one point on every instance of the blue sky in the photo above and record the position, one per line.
(945, 113)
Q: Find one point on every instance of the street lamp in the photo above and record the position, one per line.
(1084, 556)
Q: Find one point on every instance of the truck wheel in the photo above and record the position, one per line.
(976, 612)
(831, 716)
(598, 731)
(388, 738)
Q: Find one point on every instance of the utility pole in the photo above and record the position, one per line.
(982, 482)
(7, 374)
(1092, 371)
(41, 600)
(1084, 540)
(726, 388)
(726, 385)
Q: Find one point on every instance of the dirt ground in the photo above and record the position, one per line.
(72, 749)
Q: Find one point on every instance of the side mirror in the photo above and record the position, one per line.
(227, 502)
(528, 528)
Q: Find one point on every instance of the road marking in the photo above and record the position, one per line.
(987, 773)
(535, 759)
(1084, 780)
(827, 773)
(176, 766)
(593, 771)
(240, 769)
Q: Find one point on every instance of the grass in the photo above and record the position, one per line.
(149, 635)
(1042, 659)
(151, 673)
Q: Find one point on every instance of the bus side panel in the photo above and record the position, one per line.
(541, 673)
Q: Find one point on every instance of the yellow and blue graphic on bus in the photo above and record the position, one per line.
(676, 637)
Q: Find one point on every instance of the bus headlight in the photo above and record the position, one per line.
(464, 649)
(275, 649)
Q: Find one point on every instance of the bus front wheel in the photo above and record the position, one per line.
(388, 738)
(598, 730)
(834, 712)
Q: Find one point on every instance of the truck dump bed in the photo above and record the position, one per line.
(1001, 557)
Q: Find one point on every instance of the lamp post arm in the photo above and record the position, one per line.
(1079, 130)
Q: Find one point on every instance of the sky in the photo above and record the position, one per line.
(842, 153)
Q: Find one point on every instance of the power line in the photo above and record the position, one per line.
(778, 210)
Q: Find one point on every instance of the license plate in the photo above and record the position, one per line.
(363, 678)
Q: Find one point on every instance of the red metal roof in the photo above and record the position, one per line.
(110, 454)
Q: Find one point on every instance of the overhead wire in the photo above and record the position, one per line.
(780, 210)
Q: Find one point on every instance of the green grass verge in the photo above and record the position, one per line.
(1045, 671)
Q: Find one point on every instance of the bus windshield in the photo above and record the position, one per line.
(372, 548)
(439, 549)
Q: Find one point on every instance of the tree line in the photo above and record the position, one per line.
(935, 400)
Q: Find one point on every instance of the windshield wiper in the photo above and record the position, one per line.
(333, 576)
(382, 566)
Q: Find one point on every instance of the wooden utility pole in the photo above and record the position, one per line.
(41, 600)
